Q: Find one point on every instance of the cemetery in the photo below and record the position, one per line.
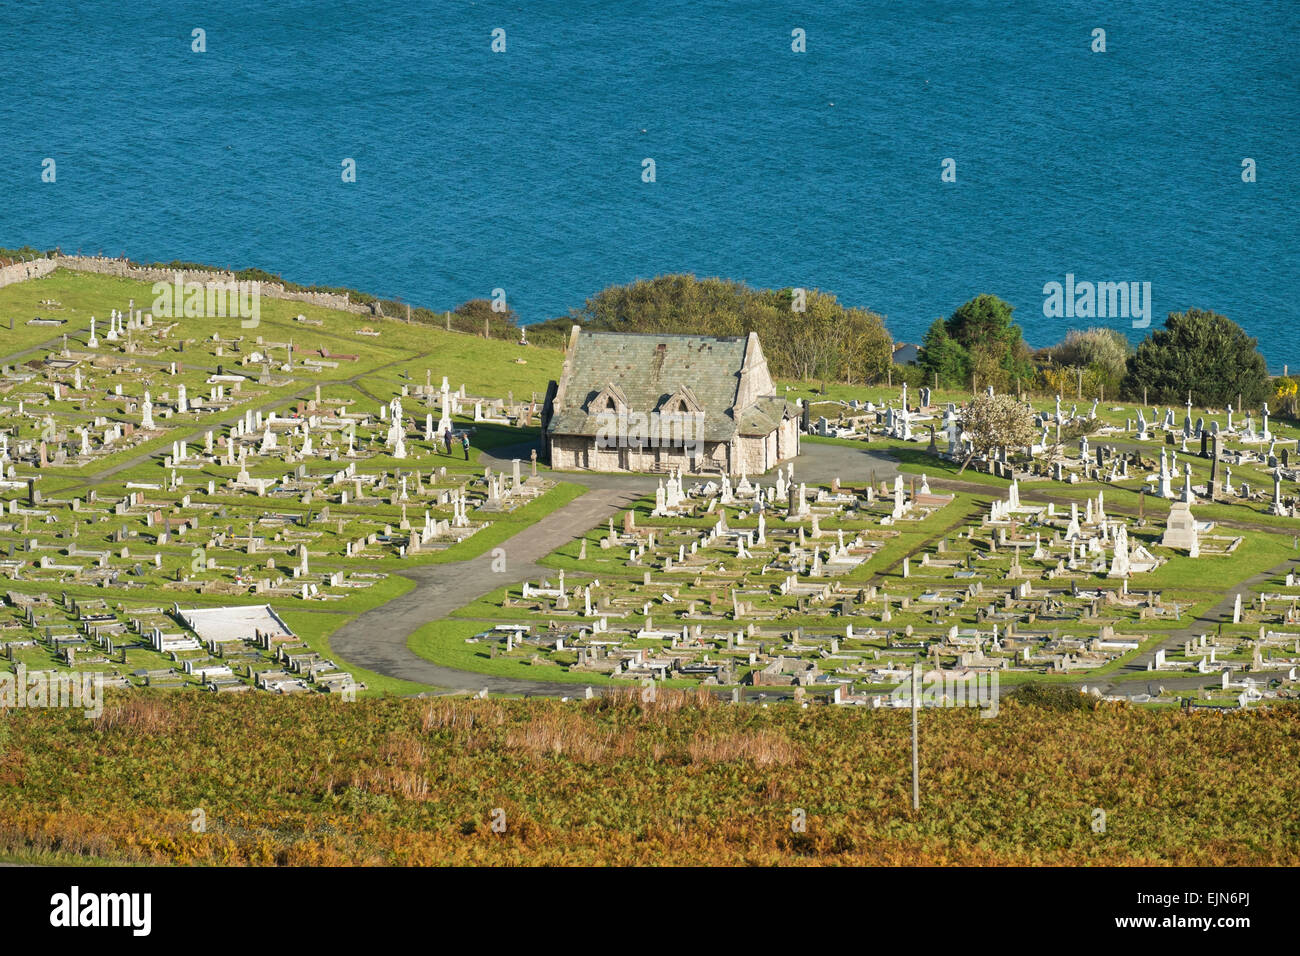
(147, 464)
(834, 592)
(208, 516)
(751, 593)
(159, 477)
(672, 435)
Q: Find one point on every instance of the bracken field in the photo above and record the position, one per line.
(615, 780)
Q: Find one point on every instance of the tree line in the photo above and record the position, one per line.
(1198, 353)
(807, 335)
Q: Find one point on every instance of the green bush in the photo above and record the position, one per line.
(826, 341)
(1053, 697)
(980, 344)
(1203, 353)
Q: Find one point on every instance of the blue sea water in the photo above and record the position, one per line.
(522, 170)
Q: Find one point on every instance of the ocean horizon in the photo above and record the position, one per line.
(524, 170)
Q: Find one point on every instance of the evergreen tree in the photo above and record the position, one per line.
(998, 355)
(943, 358)
(1203, 353)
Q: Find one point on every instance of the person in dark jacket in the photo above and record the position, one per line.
(446, 437)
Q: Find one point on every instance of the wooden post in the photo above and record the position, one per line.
(916, 760)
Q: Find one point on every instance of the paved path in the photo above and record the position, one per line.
(1206, 623)
(377, 640)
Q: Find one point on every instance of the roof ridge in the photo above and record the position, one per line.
(669, 335)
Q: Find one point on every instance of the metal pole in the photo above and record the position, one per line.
(916, 763)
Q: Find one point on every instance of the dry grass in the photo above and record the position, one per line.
(762, 748)
(134, 715)
(402, 773)
(668, 781)
(446, 715)
(560, 733)
(653, 701)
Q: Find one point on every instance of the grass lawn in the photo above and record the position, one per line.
(314, 628)
(443, 643)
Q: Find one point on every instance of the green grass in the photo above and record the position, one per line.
(443, 643)
(507, 524)
(315, 628)
(403, 354)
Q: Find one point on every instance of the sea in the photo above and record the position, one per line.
(904, 155)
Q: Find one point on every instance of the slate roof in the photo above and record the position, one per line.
(646, 369)
(764, 416)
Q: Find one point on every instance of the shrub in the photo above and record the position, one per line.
(1054, 697)
(824, 341)
(1199, 352)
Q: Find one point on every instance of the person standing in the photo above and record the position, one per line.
(446, 437)
(464, 443)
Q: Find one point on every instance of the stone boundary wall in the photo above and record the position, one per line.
(124, 268)
(21, 271)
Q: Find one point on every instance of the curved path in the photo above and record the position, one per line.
(377, 639)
